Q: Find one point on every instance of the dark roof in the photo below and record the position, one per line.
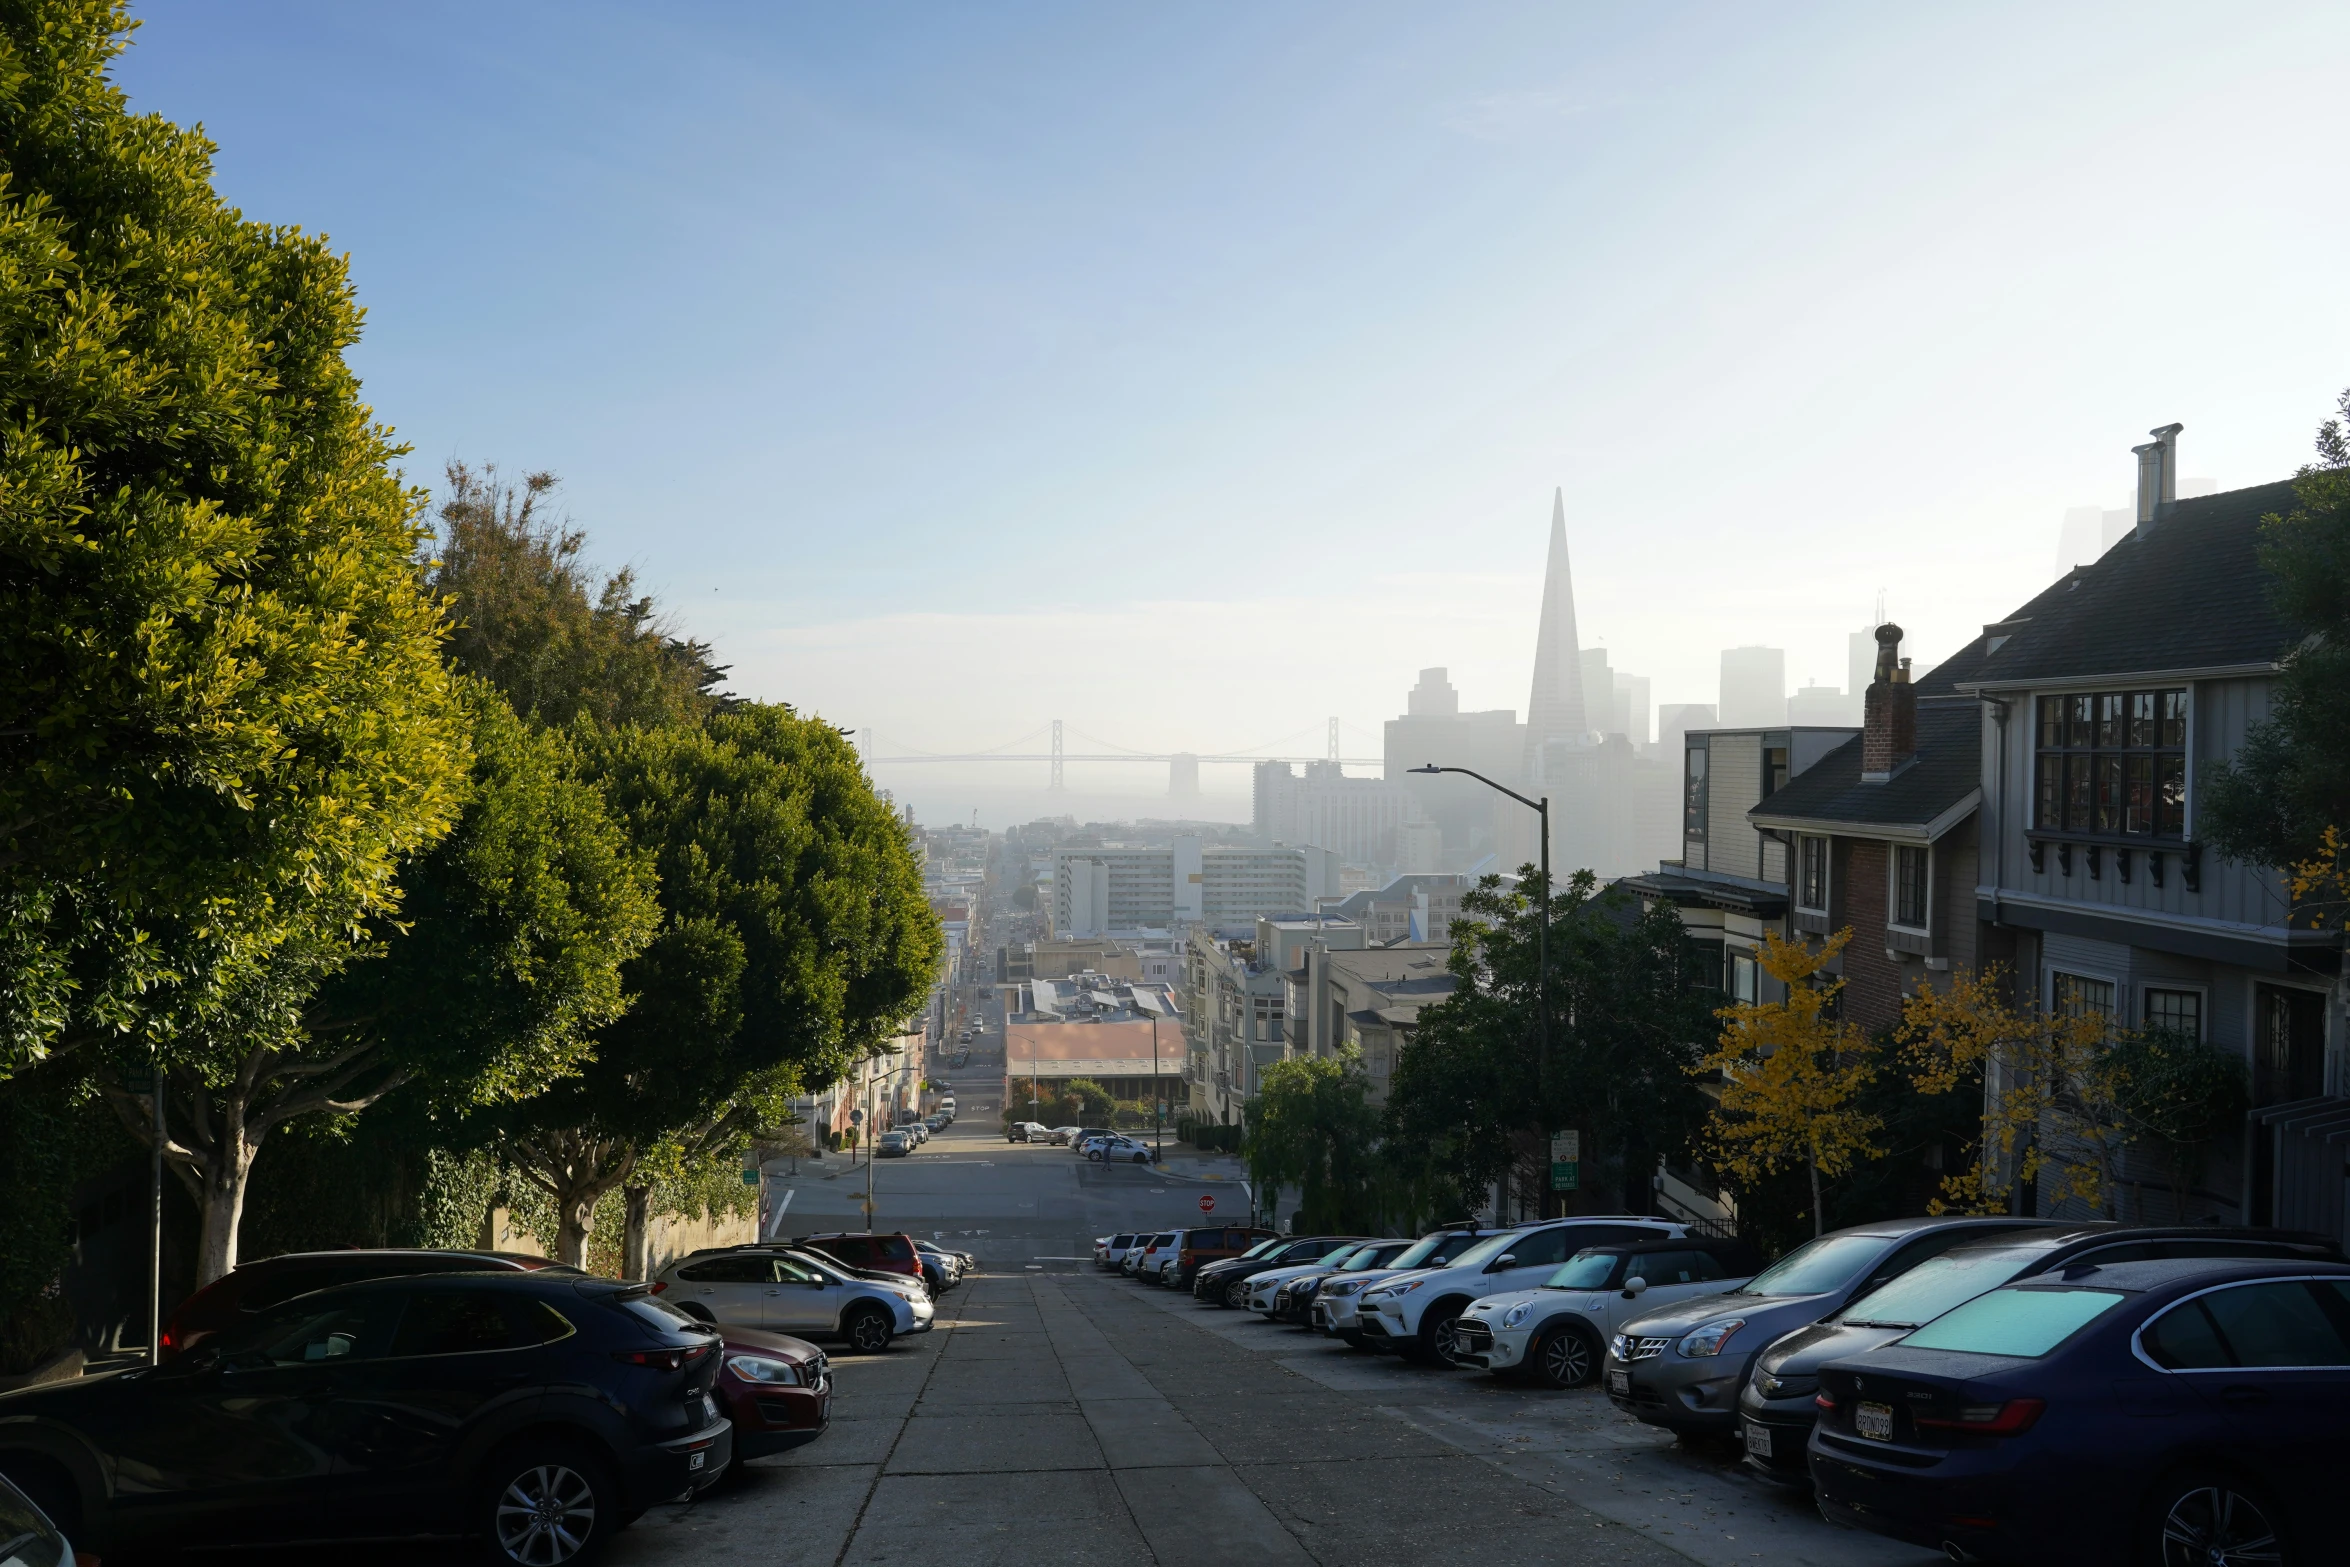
(2189, 593)
(1948, 768)
(1766, 900)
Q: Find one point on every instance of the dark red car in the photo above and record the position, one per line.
(257, 1286)
(883, 1253)
(776, 1389)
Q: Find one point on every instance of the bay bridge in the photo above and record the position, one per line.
(1183, 766)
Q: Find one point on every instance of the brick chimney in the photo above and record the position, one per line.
(1889, 716)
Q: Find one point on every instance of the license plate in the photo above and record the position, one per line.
(1874, 1421)
(1620, 1383)
(1758, 1440)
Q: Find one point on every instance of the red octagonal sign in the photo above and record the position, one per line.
(1207, 1202)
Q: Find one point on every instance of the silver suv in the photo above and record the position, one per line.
(795, 1292)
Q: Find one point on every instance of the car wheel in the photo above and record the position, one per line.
(548, 1504)
(1566, 1356)
(1434, 1346)
(870, 1329)
(1236, 1294)
(2208, 1518)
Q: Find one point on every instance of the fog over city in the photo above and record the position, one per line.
(1195, 379)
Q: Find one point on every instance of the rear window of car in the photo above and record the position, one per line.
(653, 1311)
(452, 1322)
(2023, 1323)
(894, 1248)
(1121, 1240)
(726, 1270)
(2285, 1323)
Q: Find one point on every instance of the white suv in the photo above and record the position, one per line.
(1557, 1332)
(1412, 1314)
(795, 1292)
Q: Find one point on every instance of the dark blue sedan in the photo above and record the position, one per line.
(2189, 1411)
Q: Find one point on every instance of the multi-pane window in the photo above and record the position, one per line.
(2113, 763)
(2178, 1011)
(1909, 886)
(1811, 890)
(2073, 995)
(1693, 796)
(1745, 978)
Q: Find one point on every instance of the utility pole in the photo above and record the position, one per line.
(1158, 1131)
(155, 1230)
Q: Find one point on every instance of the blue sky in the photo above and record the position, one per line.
(1193, 373)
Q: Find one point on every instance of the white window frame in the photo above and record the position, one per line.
(2145, 1012)
(1893, 919)
(2048, 978)
(1804, 841)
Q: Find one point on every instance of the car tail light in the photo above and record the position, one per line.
(1823, 1401)
(1183, 1257)
(661, 1359)
(657, 1286)
(2009, 1419)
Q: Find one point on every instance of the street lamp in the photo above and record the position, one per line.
(1540, 808)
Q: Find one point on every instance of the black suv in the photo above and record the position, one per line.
(542, 1413)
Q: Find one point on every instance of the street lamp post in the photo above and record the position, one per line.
(1158, 1129)
(1540, 808)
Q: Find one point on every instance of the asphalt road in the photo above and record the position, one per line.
(1061, 1414)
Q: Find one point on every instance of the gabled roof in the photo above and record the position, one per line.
(1925, 799)
(2187, 594)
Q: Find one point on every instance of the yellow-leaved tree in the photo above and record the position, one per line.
(2050, 1111)
(1792, 1076)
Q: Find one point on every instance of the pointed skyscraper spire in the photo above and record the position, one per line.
(1555, 709)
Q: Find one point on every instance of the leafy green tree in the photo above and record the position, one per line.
(1471, 1099)
(1094, 1102)
(505, 957)
(2179, 1095)
(534, 621)
(794, 940)
(223, 717)
(2284, 800)
(1311, 1126)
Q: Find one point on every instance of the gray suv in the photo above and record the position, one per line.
(1682, 1367)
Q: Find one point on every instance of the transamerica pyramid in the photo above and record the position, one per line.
(1555, 710)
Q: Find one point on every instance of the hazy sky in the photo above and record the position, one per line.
(1193, 373)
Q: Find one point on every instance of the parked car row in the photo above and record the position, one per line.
(404, 1395)
(1999, 1388)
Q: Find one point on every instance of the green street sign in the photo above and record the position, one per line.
(750, 1177)
(1566, 1175)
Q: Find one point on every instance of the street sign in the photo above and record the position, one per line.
(857, 1117)
(1566, 1147)
(750, 1177)
(1566, 1175)
(1207, 1203)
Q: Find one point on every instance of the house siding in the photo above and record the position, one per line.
(1733, 787)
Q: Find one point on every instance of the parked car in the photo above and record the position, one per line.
(1086, 1135)
(1143, 1258)
(775, 1388)
(537, 1410)
(1062, 1136)
(1294, 1301)
(1775, 1409)
(942, 1269)
(2183, 1411)
(1557, 1332)
(1329, 1252)
(884, 1252)
(1412, 1315)
(1194, 1249)
(31, 1537)
(1337, 1308)
(1110, 1250)
(804, 1293)
(270, 1281)
(1118, 1150)
(1681, 1367)
(893, 1145)
(1209, 1283)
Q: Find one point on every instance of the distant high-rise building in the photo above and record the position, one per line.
(1433, 697)
(1754, 687)
(1674, 720)
(1554, 708)
(1491, 742)
(1822, 705)
(1599, 690)
(1631, 710)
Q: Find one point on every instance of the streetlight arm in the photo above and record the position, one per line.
(1532, 805)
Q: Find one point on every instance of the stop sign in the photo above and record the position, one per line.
(1207, 1203)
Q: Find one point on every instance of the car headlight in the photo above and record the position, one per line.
(1352, 1287)
(1621, 1347)
(1517, 1314)
(1405, 1288)
(1708, 1340)
(765, 1370)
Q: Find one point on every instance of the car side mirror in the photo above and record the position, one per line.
(1634, 1288)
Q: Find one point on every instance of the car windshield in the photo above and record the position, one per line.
(1937, 1285)
(1485, 1250)
(2026, 1323)
(1584, 1271)
(1432, 1250)
(1338, 1254)
(1817, 1267)
(1372, 1257)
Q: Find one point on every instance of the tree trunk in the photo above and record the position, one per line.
(636, 1242)
(223, 1202)
(575, 1218)
(1819, 1225)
